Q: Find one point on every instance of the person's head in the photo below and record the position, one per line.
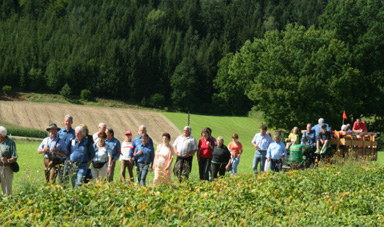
(277, 136)
(144, 139)
(187, 131)
(358, 120)
(102, 127)
(295, 130)
(166, 138)
(349, 126)
(110, 133)
(86, 128)
(68, 121)
(52, 129)
(142, 130)
(79, 133)
(210, 131)
(344, 128)
(3, 132)
(128, 134)
(324, 128)
(309, 127)
(235, 137)
(220, 141)
(263, 129)
(321, 121)
(102, 137)
(205, 133)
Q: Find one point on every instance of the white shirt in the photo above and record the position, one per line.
(185, 145)
(125, 148)
(262, 141)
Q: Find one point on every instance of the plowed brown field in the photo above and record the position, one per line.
(39, 115)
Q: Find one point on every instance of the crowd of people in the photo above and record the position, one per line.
(70, 154)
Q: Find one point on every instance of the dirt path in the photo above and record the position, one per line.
(38, 115)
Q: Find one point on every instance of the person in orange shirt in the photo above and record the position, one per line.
(236, 149)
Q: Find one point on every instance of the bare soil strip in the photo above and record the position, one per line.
(38, 115)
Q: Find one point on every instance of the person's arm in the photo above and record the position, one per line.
(284, 152)
(254, 142)
(156, 157)
(118, 151)
(269, 153)
(170, 158)
(42, 148)
(61, 149)
(109, 164)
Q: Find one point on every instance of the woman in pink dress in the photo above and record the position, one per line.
(163, 161)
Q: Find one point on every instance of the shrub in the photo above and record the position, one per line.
(86, 95)
(66, 91)
(7, 89)
(157, 100)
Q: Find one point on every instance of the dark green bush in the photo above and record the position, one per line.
(86, 95)
(66, 91)
(7, 89)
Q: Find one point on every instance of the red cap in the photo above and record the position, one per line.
(128, 133)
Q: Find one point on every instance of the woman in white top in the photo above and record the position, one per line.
(163, 161)
(102, 156)
(124, 157)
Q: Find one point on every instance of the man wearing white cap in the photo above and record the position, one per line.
(8, 156)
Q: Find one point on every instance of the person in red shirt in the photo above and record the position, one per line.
(204, 155)
(359, 126)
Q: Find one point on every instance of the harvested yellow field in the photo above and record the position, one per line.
(39, 115)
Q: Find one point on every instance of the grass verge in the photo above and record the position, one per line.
(16, 130)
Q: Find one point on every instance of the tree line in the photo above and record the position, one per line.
(293, 60)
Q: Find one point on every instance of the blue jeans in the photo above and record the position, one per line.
(276, 165)
(235, 163)
(142, 171)
(77, 172)
(259, 157)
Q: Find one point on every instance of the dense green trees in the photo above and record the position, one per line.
(133, 50)
(293, 60)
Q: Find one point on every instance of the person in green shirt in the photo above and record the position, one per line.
(8, 156)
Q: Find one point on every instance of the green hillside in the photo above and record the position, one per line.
(226, 126)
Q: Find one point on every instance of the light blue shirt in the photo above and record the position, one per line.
(275, 150)
(102, 155)
(80, 152)
(115, 146)
(317, 128)
(262, 141)
(60, 147)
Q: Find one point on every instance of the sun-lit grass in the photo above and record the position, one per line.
(224, 126)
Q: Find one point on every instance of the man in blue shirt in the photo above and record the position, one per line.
(137, 142)
(317, 128)
(309, 137)
(115, 146)
(54, 152)
(276, 151)
(79, 157)
(261, 142)
(66, 134)
(144, 155)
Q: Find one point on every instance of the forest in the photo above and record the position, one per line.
(294, 60)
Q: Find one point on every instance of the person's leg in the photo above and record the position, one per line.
(81, 174)
(256, 160)
(2, 179)
(206, 168)
(95, 175)
(214, 170)
(138, 172)
(103, 172)
(201, 168)
(222, 170)
(273, 165)
(122, 171)
(263, 158)
(8, 179)
(144, 172)
(186, 167)
(46, 169)
(130, 170)
(277, 166)
(235, 163)
(66, 173)
(72, 172)
(110, 177)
